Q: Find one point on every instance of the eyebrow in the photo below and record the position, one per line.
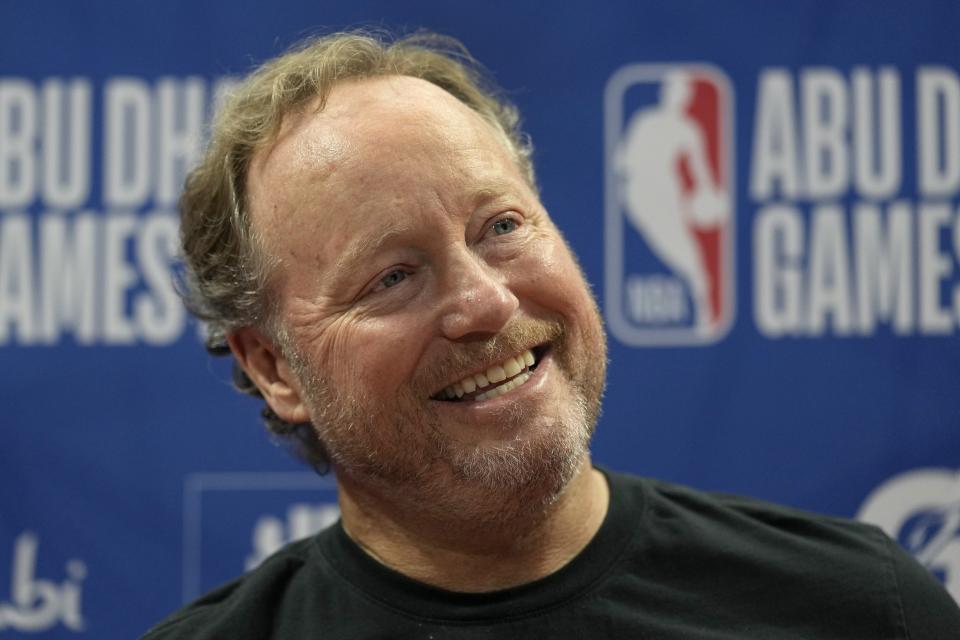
(363, 249)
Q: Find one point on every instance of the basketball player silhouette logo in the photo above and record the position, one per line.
(670, 185)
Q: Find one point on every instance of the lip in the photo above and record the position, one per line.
(540, 351)
(527, 392)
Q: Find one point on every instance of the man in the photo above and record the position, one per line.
(365, 235)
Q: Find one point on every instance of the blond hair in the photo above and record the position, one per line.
(227, 274)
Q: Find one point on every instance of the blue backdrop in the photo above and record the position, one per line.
(783, 300)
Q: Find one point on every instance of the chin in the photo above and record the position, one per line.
(535, 464)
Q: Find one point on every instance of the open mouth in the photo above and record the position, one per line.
(496, 380)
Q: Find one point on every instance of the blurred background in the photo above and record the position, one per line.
(763, 195)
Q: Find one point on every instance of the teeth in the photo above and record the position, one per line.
(511, 368)
(504, 388)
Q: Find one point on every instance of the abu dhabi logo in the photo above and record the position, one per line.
(669, 204)
(920, 509)
(38, 604)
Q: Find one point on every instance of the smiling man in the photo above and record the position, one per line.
(365, 237)
(435, 330)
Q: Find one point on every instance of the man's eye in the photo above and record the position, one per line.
(504, 225)
(394, 277)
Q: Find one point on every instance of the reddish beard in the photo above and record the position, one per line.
(397, 445)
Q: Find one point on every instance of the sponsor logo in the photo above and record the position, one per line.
(855, 226)
(669, 204)
(88, 233)
(234, 521)
(852, 199)
(920, 509)
(36, 604)
(851, 237)
(271, 533)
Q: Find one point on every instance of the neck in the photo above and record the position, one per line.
(476, 555)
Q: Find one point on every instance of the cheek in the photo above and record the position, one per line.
(379, 354)
(554, 283)
(551, 275)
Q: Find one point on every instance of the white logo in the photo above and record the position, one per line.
(38, 605)
(235, 520)
(669, 204)
(920, 509)
(270, 534)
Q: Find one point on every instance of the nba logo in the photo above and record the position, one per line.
(669, 205)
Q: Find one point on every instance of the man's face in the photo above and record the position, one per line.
(414, 262)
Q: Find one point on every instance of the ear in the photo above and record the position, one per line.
(271, 372)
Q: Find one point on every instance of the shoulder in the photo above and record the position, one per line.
(928, 610)
(245, 607)
(722, 514)
(845, 564)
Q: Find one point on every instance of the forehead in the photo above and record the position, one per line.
(377, 139)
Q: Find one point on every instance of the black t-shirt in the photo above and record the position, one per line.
(667, 563)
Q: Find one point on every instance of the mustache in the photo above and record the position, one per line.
(470, 357)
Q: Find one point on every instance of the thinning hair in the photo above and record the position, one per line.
(228, 275)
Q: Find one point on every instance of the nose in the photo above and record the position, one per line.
(477, 301)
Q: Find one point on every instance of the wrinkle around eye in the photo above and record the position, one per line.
(310, 319)
(504, 246)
